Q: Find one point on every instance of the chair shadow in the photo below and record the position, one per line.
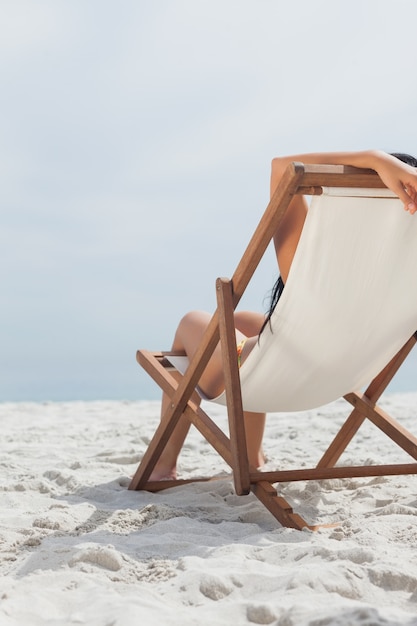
(128, 527)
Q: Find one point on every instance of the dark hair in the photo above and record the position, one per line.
(276, 293)
(406, 158)
(278, 287)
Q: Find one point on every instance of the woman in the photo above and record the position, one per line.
(398, 172)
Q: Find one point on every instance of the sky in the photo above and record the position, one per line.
(135, 145)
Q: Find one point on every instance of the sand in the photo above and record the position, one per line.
(76, 547)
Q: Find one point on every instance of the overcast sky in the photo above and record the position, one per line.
(135, 145)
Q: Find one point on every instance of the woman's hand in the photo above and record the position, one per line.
(400, 177)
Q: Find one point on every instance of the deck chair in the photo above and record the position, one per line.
(345, 323)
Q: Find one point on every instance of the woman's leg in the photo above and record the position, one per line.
(166, 466)
(189, 334)
(187, 337)
(250, 323)
(254, 430)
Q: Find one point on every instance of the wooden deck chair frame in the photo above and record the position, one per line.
(298, 179)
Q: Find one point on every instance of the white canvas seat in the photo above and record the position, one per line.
(346, 310)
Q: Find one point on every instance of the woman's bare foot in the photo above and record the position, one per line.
(170, 473)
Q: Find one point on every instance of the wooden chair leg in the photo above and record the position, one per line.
(393, 429)
(342, 439)
(164, 430)
(357, 417)
(278, 506)
(232, 386)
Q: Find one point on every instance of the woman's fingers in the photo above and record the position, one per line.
(402, 180)
(410, 197)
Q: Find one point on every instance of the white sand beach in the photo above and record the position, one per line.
(76, 547)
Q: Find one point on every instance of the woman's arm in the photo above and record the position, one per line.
(398, 176)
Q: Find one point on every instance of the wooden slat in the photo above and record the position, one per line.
(326, 473)
(340, 176)
(232, 386)
(155, 364)
(160, 485)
